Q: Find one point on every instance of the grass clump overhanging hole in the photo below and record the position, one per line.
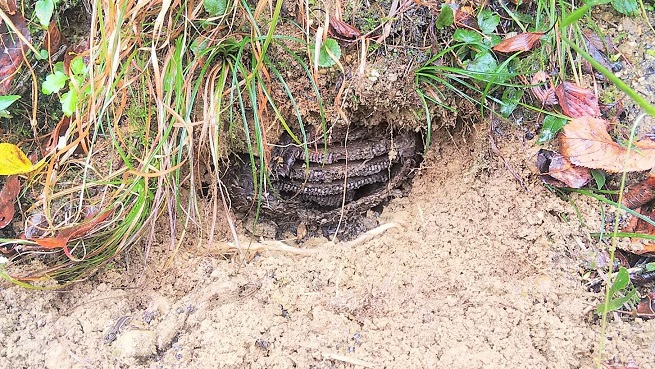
(168, 90)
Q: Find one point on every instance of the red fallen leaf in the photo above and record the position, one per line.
(585, 142)
(53, 139)
(60, 241)
(343, 29)
(8, 196)
(546, 93)
(53, 38)
(576, 101)
(8, 6)
(646, 305)
(559, 172)
(521, 42)
(638, 194)
(13, 49)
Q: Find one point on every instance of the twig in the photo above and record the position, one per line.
(346, 359)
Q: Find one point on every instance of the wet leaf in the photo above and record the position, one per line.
(550, 128)
(330, 46)
(69, 102)
(626, 7)
(215, 8)
(585, 142)
(54, 82)
(521, 42)
(600, 177)
(12, 48)
(43, 9)
(576, 101)
(484, 63)
(8, 196)
(488, 21)
(468, 36)
(446, 17)
(7, 100)
(343, 29)
(559, 172)
(13, 160)
(510, 100)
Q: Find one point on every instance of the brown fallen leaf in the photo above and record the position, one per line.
(576, 101)
(8, 196)
(585, 142)
(8, 6)
(13, 49)
(53, 38)
(638, 194)
(50, 144)
(343, 29)
(559, 172)
(60, 241)
(521, 42)
(646, 305)
(544, 93)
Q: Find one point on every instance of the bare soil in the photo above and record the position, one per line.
(481, 273)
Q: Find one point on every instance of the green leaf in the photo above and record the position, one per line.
(7, 100)
(649, 267)
(329, 53)
(510, 100)
(620, 282)
(43, 9)
(484, 62)
(54, 82)
(68, 102)
(77, 66)
(468, 36)
(551, 126)
(446, 17)
(626, 7)
(488, 21)
(600, 177)
(614, 304)
(215, 8)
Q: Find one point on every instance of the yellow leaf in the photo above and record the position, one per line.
(13, 160)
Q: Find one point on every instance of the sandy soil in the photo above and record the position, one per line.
(482, 273)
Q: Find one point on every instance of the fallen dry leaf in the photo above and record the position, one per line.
(638, 194)
(585, 142)
(544, 93)
(521, 42)
(646, 305)
(13, 48)
(576, 101)
(343, 29)
(50, 145)
(8, 196)
(559, 172)
(53, 38)
(60, 241)
(8, 6)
